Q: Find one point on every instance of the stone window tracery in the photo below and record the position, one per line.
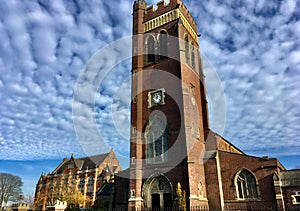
(246, 185)
(157, 140)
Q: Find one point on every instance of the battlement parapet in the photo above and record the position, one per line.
(139, 4)
(163, 7)
(188, 15)
(166, 13)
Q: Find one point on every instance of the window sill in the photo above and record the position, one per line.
(156, 165)
(242, 200)
(149, 64)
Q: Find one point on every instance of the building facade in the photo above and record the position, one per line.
(176, 161)
(76, 175)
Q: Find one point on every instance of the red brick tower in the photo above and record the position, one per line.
(169, 121)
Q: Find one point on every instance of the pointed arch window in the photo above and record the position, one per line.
(163, 45)
(246, 185)
(156, 140)
(187, 49)
(193, 56)
(150, 50)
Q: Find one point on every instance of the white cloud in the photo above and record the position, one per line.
(253, 46)
(42, 55)
(258, 71)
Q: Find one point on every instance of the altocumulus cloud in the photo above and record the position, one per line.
(44, 45)
(253, 46)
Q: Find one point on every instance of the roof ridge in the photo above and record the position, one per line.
(94, 155)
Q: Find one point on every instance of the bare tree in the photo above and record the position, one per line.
(10, 188)
(29, 199)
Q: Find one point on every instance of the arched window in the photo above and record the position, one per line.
(193, 55)
(150, 54)
(246, 185)
(187, 50)
(157, 140)
(163, 45)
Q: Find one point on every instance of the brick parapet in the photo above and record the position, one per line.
(162, 7)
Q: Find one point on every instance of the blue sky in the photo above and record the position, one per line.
(253, 45)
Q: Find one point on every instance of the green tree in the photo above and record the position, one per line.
(10, 188)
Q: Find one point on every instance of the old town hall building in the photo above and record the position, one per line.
(176, 161)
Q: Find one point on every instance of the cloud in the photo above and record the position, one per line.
(44, 46)
(257, 61)
(252, 45)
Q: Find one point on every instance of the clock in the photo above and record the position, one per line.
(156, 97)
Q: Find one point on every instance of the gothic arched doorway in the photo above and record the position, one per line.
(157, 192)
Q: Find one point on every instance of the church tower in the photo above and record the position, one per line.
(169, 120)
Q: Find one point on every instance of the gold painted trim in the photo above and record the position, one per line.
(168, 17)
(187, 25)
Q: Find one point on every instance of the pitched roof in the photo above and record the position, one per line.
(226, 141)
(60, 167)
(290, 178)
(90, 162)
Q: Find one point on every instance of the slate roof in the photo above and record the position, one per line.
(290, 178)
(82, 163)
(106, 189)
(93, 161)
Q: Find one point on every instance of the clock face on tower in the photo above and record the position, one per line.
(156, 97)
